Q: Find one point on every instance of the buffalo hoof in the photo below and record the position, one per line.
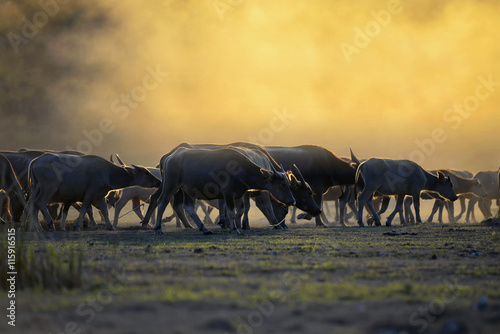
(51, 229)
(111, 228)
(388, 223)
(207, 232)
(235, 232)
(320, 225)
(159, 232)
(277, 227)
(360, 224)
(285, 227)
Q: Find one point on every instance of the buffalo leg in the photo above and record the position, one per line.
(35, 223)
(385, 205)
(223, 219)
(324, 210)
(399, 204)
(416, 206)
(441, 207)
(270, 216)
(153, 203)
(451, 211)
(153, 216)
(17, 209)
(246, 205)
(368, 202)
(462, 208)
(383, 208)
(240, 208)
(340, 208)
(318, 198)
(354, 210)
(178, 206)
(90, 215)
(407, 210)
(136, 206)
(206, 210)
(435, 208)
(165, 194)
(363, 198)
(169, 218)
(90, 221)
(4, 207)
(230, 209)
(353, 213)
(323, 215)
(103, 206)
(402, 217)
(101, 215)
(189, 206)
(484, 205)
(293, 219)
(371, 207)
(37, 203)
(48, 218)
(86, 205)
(54, 211)
(268, 206)
(337, 209)
(64, 215)
(178, 221)
(470, 210)
(345, 199)
(119, 205)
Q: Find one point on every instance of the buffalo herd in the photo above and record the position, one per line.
(228, 178)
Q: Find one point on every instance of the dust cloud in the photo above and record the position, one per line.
(400, 79)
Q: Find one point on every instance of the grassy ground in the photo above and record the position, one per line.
(426, 278)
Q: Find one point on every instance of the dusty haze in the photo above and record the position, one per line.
(273, 72)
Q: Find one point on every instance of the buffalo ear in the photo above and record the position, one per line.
(266, 173)
(441, 176)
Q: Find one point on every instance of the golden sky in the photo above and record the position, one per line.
(382, 77)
